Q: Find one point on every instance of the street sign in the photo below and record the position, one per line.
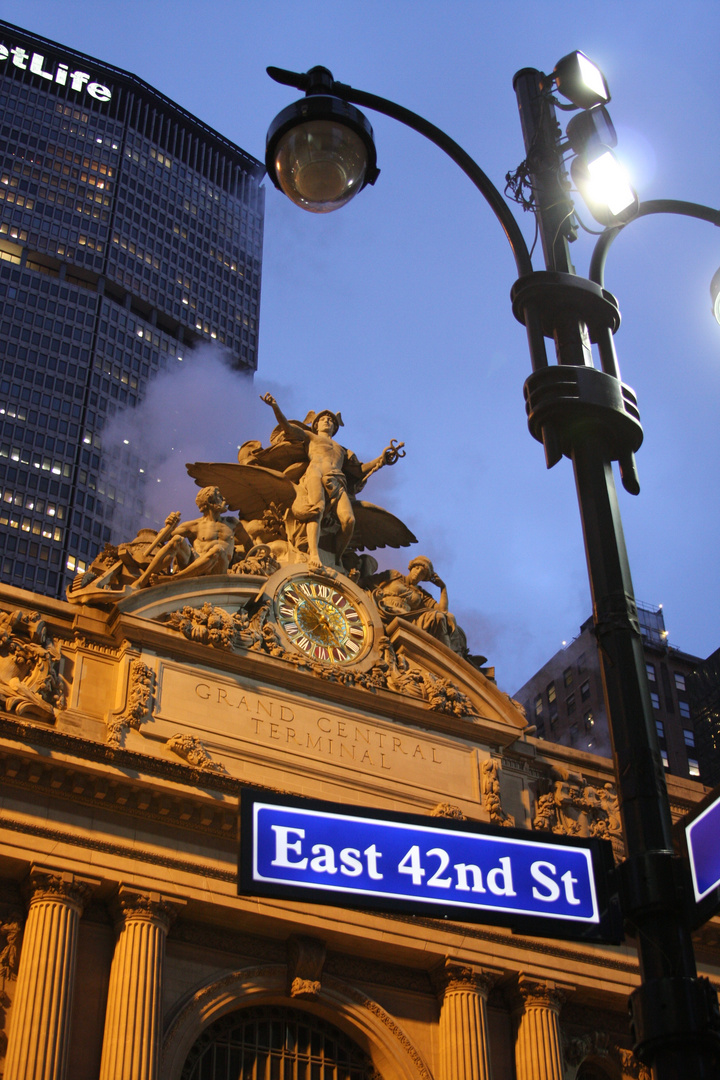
(701, 829)
(320, 852)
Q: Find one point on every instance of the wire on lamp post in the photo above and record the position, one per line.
(590, 416)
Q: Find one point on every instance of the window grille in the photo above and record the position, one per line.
(276, 1043)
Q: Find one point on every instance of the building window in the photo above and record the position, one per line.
(551, 692)
(585, 690)
(568, 676)
(689, 737)
(679, 681)
(581, 663)
(573, 734)
(693, 767)
(650, 668)
(275, 1042)
(655, 699)
(538, 705)
(663, 755)
(660, 727)
(684, 710)
(570, 703)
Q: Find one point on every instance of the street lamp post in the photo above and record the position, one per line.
(590, 416)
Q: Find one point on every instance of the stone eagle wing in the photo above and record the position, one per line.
(247, 489)
(376, 528)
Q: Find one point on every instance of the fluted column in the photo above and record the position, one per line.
(131, 1043)
(464, 1050)
(40, 1017)
(537, 1044)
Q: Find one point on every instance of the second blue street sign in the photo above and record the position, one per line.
(534, 882)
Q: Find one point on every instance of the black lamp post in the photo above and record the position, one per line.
(320, 152)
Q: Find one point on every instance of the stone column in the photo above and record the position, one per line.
(537, 1046)
(40, 1017)
(464, 1050)
(133, 1020)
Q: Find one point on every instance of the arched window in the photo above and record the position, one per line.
(275, 1043)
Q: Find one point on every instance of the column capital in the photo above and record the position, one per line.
(49, 883)
(146, 906)
(452, 975)
(541, 993)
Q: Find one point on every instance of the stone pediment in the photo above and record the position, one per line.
(235, 621)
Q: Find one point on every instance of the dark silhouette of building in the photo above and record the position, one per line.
(704, 688)
(564, 699)
(129, 232)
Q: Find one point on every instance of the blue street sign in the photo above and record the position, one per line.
(703, 841)
(702, 838)
(324, 853)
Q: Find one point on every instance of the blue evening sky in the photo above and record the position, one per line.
(396, 309)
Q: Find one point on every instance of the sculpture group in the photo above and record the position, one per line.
(292, 502)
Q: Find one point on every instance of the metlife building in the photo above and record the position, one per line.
(129, 233)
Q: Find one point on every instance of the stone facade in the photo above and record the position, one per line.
(123, 942)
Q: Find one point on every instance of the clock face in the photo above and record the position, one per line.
(320, 619)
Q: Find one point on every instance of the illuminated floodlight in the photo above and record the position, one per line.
(581, 81)
(604, 185)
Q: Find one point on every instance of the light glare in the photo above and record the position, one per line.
(609, 183)
(592, 76)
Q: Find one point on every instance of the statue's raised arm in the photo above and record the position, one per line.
(293, 431)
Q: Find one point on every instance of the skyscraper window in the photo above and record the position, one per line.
(129, 232)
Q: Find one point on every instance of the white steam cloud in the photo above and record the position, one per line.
(200, 410)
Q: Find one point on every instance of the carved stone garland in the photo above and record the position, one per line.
(219, 629)
(141, 683)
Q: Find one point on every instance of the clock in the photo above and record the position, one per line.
(323, 618)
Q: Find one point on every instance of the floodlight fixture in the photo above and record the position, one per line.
(320, 151)
(592, 127)
(604, 185)
(581, 81)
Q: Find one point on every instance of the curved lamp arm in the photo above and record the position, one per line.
(653, 206)
(469, 166)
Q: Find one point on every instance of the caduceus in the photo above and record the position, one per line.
(390, 456)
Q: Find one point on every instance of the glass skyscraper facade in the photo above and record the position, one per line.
(129, 233)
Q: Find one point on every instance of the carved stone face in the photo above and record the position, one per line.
(417, 573)
(324, 425)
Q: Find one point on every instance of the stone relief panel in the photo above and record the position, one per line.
(566, 803)
(235, 718)
(30, 663)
